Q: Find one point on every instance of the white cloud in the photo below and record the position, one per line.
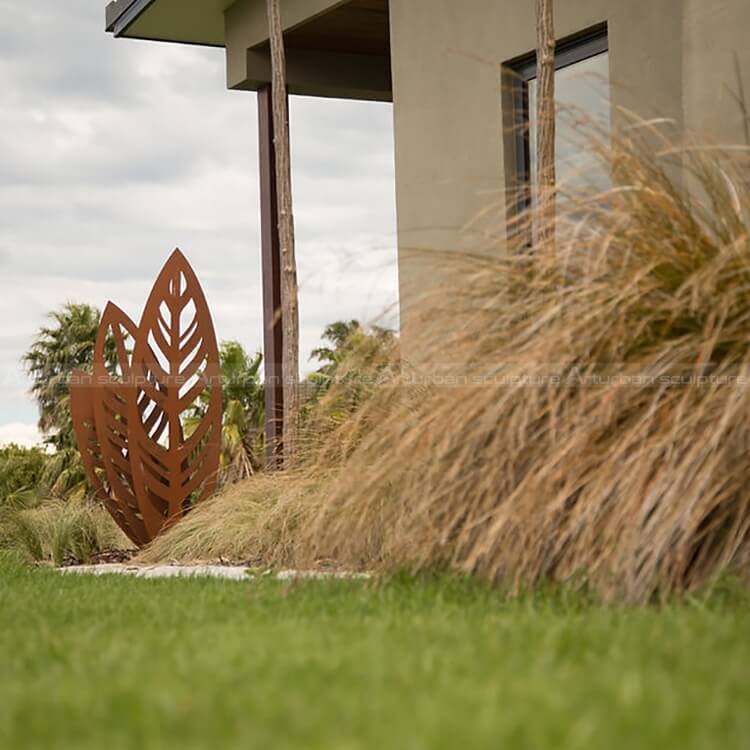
(20, 434)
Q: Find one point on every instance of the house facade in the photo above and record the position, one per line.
(442, 63)
(460, 74)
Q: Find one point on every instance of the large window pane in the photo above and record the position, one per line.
(583, 105)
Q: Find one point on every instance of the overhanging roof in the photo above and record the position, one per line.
(335, 48)
(359, 22)
(182, 21)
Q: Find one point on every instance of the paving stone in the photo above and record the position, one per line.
(162, 571)
(224, 572)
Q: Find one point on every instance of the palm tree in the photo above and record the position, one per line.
(68, 343)
(59, 348)
(356, 357)
(243, 408)
(338, 334)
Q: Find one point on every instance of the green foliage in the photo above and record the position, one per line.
(444, 663)
(65, 344)
(64, 475)
(243, 407)
(339, 335)
(21, 471)
(59, 348)
(55, 531)
(353, 363)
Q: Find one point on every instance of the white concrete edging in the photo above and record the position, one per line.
(224, 572)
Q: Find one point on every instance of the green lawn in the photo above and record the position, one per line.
(122, 663)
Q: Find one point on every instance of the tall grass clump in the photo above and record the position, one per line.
(252, 522)
(574, 412)
(594, 421)
(58, 531)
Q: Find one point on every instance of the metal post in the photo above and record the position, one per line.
(271, 270)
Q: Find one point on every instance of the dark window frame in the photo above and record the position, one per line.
(521, 70)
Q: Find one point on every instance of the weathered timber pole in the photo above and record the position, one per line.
(544, 220)
(289, 289)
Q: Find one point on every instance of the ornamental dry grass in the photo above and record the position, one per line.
(58, 531)
(253, 522)
(593, 422)
(260, 521)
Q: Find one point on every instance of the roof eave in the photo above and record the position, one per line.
(120, 14)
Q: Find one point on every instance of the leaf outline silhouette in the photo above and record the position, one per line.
(83, 394)
(111, 398)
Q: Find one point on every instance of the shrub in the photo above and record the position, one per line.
(57, 531)
(21, 471)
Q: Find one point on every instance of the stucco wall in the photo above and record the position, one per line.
(246, 25)
(716, 41)
(668, 58)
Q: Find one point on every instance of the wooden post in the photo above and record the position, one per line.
(544, 220)
(289, 288)
(273, 341)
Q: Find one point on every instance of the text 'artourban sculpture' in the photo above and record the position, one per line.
(129, 414)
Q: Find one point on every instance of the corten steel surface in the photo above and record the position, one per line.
(82, 412)
(129, 419)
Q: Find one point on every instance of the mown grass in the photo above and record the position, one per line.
(410, 663)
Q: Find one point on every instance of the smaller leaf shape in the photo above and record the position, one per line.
(83, 394)
(112, 396)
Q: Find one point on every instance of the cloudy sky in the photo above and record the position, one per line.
(113, 152)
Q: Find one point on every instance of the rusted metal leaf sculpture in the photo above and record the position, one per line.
(84, 427)
(128, 419)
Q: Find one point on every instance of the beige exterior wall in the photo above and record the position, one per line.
(246, 25)
(674, 59)
(668, 58)
(716, 43)
(309, 72)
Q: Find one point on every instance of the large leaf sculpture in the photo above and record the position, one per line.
(129, 422)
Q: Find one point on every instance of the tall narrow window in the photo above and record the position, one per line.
(582, 103)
